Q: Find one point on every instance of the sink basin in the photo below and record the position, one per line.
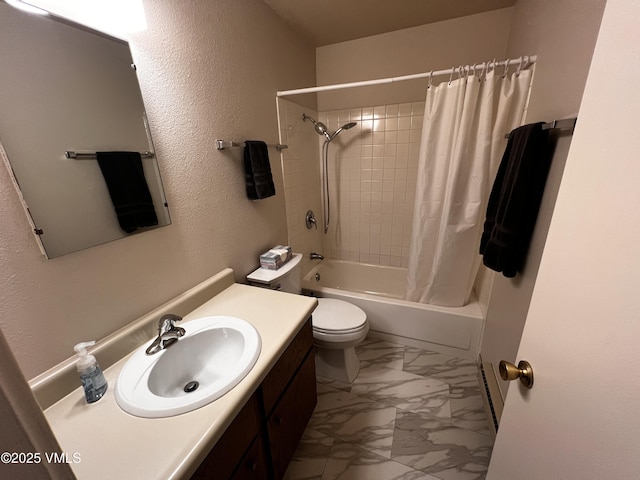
(213, 356)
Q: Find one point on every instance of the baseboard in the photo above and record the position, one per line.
(491, 395)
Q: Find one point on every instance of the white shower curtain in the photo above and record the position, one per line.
(465, 122)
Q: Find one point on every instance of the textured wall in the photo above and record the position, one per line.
(207, 70)
(436, 46)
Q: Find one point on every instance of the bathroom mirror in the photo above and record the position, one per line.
(67, 88)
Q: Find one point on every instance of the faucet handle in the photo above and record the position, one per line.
(310, 220)
(167, 322)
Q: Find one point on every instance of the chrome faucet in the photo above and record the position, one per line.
(315, 256)
(168, 333)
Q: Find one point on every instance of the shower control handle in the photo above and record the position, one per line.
(310, 220)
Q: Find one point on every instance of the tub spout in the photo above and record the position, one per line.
(315, 256)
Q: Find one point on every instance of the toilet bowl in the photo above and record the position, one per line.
(338, 326)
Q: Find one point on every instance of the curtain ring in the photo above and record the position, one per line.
(483, 69)
(451, 76)
(506, 68)
(520, 66)
(460, 72)
(430, 79)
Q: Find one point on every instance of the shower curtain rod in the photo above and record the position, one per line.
(438, 73)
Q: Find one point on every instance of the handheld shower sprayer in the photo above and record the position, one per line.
(346, 126)
(321, 129)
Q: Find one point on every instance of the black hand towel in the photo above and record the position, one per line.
(257, 170)
(515, 199)
(128, 189)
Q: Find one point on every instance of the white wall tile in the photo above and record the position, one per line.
(373, 188)
(404, 110)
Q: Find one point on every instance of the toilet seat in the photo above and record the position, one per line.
(338, 324)
(333, 316)
(340, 332)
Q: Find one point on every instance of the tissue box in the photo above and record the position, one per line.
(275, 257)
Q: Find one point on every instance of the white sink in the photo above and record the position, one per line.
(213, 356)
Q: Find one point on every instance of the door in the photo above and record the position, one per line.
(581, 419)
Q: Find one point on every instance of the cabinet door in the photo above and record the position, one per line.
(291, 415)
(284, 369)
(223, 459)
(253, 466)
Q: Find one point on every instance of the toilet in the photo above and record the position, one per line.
(338, 326)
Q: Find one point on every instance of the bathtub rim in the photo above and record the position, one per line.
(472, 309)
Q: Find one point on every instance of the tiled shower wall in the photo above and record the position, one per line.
(372, 174)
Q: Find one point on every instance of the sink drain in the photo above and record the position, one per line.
(191, 387)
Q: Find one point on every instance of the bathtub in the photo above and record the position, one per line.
(379, 291)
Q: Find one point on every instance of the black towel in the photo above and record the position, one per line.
(128, 189)
(515, 199)
(257, 170)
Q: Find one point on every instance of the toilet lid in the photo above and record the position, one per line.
(337, 316)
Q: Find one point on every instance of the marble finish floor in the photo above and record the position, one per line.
(410, 414)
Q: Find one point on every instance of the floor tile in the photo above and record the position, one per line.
(310, 458)
(453, 370)
(404, 390)
(354, 419)
(445, 451)
(467, 409)
(373, 351)
(337, 384)
(410, 414)
(349, 462)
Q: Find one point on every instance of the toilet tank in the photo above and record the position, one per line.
(287, 278)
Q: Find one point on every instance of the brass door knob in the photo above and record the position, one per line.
(508, 371)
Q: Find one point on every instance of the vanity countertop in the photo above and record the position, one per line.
(102, 441)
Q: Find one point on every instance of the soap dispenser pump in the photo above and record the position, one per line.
(91, 375)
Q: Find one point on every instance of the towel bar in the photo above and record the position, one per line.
(564, 124)
(92, 155)
(222, 144)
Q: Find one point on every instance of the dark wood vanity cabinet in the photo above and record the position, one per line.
(262, 438)
(230, 451)
(291, 415)
(254, 463)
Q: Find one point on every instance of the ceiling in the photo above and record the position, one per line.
(324, 22)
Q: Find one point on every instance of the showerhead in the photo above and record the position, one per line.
(346, 126)
(320, 127)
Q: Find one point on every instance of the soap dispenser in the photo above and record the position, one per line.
(93, 380)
